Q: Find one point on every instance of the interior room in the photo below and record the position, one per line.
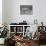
(22, 22)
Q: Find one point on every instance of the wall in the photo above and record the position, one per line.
(15, 11)
(0, 13)
(4, 11)
(12, 11)
(40, 10)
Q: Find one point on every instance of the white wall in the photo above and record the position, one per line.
(4, 11)
(15, 11)
(12, 11)
(0, 13)
(40, 10)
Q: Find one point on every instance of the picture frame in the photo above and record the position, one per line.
(26, 9)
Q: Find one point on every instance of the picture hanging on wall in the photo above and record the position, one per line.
(26, 9)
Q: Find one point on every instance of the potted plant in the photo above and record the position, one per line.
(3, 34)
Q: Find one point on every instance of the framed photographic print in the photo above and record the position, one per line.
(26, 9)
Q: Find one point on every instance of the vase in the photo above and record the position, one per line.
(2, 40)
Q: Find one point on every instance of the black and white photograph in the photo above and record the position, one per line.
(26, 9)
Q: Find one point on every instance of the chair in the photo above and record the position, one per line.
(9, 42)
(42, 37)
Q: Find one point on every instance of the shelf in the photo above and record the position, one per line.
(19, 27)
(16, 32)
(12, 32)
(19, 32)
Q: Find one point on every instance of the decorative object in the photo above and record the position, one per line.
(2, 40)
(4, 32)
(35, 21)
(28, 33)
(26, 9)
